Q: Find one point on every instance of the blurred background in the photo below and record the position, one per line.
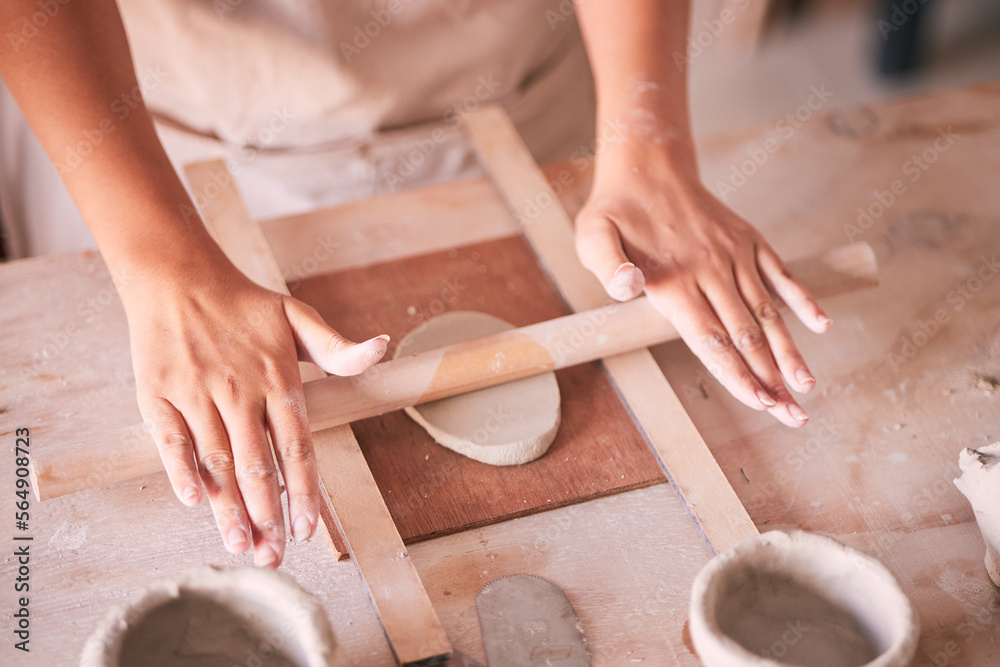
(762, 64)
(751, 62)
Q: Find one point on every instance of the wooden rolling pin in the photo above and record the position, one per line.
(129, 452)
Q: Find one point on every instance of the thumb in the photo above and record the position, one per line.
(599, 246)
(318, 343)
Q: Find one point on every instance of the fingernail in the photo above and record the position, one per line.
(797, 412)
(190, 494)
(765, 399)
(265, 556)
(804, 377)
(376, 351)
(626, 283)
(301, 528)
(823, 319)
(237, 539)
(624, 267)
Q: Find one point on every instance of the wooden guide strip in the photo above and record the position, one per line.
(411, 625)
(681, 450)
(391, 385)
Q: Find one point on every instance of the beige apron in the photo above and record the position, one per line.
(316, 102)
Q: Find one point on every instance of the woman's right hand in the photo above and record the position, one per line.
(214, 354)
(215, 360)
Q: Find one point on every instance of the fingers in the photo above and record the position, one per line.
(175, 447)
(217, 468)
(700, 327)
(791, 291)
(231, 454)
(783, 349)
(318, 343)
(599, 246)
(754, 346)
(257, 479)
(293, 445)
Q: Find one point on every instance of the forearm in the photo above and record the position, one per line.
(75, 83)
(641, 87)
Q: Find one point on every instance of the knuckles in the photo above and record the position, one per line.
(716, 340)
(257, 472)
(297, 450)
(217, 464)
(174, 442)
(766, 312)
(750, 339)
(709, 256)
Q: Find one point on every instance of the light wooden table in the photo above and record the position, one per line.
(893, 406)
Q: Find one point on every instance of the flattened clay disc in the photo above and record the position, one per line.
(503, 425)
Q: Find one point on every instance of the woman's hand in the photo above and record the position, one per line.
(706, 269)
(215, 359)
(214, 354)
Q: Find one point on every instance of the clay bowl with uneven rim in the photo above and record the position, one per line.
(795, 598)
(233, 616)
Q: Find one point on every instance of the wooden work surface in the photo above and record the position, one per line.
(892, 408)
(431, 490)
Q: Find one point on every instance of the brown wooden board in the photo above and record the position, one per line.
(431, 490)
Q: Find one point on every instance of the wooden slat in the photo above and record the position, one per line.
(327, 240)
(415, 633)
(411, 625)
(682, 451)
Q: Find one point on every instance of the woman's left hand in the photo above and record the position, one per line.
(709, 271)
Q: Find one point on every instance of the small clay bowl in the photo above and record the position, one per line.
(782, 599)
(209, 615)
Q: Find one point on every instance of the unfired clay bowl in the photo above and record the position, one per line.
(211, 616)
(980, 482)
(795, 598)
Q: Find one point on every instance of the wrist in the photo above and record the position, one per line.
(667, 159)
(166, 261)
